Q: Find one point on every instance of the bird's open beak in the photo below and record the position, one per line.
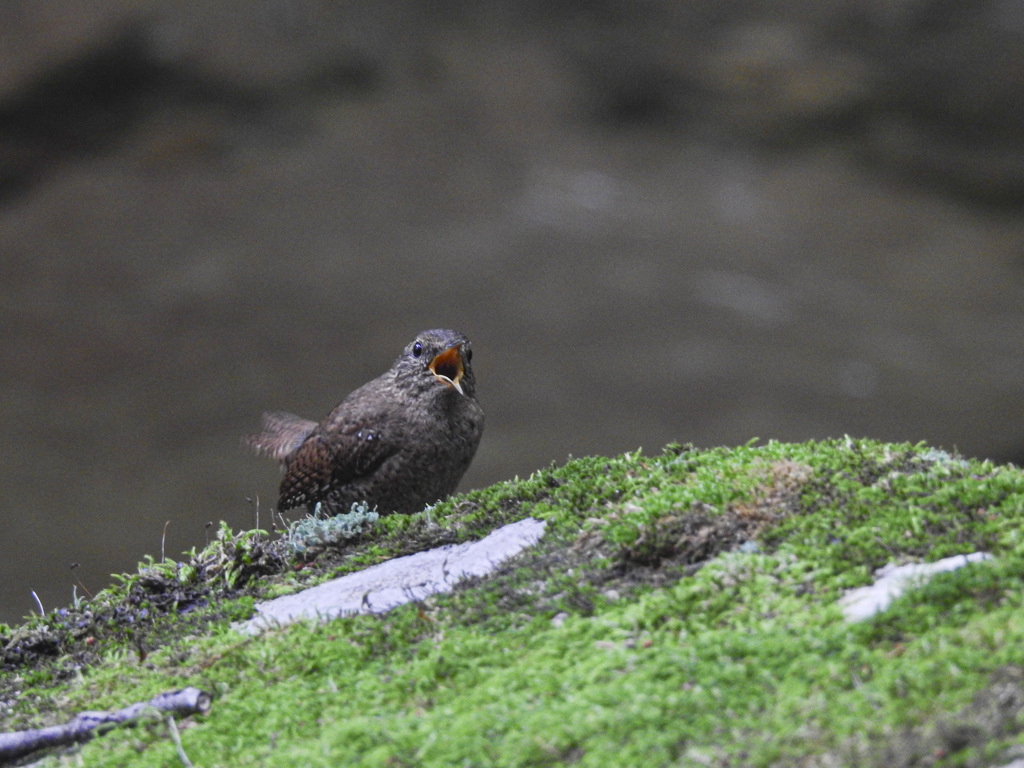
(447, 367)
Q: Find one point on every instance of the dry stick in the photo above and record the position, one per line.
(163, 541)
(172, 728)
(188, 701)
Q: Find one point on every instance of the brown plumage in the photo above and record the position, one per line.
(398, 443)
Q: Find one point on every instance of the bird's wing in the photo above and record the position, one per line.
(332, 460)
(308, 474)
(281, 435)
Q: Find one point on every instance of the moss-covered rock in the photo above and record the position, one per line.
(681, 609)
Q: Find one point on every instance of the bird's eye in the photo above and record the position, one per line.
(469, 355)
(417, 349)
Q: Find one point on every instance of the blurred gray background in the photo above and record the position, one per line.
(699, 220)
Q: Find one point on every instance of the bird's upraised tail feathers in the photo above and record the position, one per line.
(281, 435)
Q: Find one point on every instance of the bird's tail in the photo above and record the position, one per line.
(281, 435)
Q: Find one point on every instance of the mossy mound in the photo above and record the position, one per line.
(681, 609)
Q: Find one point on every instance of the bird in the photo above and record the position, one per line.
(398, 443)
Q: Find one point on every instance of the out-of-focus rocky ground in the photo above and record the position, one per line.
(701, 221)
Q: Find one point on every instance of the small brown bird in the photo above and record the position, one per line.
(398, 443)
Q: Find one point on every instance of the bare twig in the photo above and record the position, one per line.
(83, 727)
(256, 510)
(163, 541)
(172, 728)
(86, 590)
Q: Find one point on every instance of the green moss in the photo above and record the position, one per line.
(680, 610)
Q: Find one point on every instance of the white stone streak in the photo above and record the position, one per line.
(389, 584)
(891, 581)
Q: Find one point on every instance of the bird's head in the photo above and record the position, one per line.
(438, 358)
